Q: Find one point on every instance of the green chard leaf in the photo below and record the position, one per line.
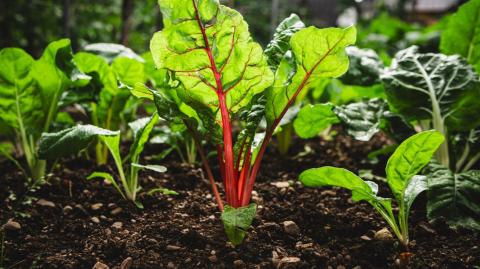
(339, 177)
(280, 43)
(20, 102)
(111, 51)
(409, 159)
(208, 49)
(462, 34)
(365, 67)
(151, 167)
(433, 86)
(363, 119)
(456, 197)
(415, 186)
(70, 141)
(316, 54)
(312, 119)
(141, 129)
(236, 222)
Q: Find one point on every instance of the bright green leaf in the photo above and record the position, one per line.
(312, 119)
(236, 221)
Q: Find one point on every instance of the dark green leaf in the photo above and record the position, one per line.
(365, 67)
(454, 196)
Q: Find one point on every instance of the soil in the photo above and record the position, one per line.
(63, 224)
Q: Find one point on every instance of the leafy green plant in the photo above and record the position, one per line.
(106, 99)
(72, 140)
(31, 93)
(217, 76)
(402, 168)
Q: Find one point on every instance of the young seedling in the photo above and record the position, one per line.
(72, 140)
(217, 78)
(402, 169)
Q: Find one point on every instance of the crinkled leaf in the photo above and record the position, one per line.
(317, 53)
(409, 158)
(20, 102)
(111, 51)
(365, 67)
(236, 222)
(181, 47)
(280, 43)
(416, 84)
(362, 119)
(454, 196)
(462, 33)
(312, 119)
(70, 141)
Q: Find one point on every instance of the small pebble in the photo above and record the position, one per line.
(170, 265)
(291, 227)
(67, 209)
(117, 225)
(383, 235)
(127, 263)
(12, 225)
(366, 238)
(213, 258)
(288, 263)
(100, 265)
(281, 184)
(96, 206)
(173, 248)
(239, 264)
(95, 220)
(116, 211)
(45, 203)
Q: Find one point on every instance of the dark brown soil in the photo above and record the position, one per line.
(185, 231)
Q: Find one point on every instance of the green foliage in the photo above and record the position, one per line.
(461, 35)
(312, 119)
(365, 67)
(237, 221)
(454, 196)
(362, 119)
(72, 140)
(407, 160)
(31, 91)
(441, 89)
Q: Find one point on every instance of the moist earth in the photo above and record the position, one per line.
(74, 223)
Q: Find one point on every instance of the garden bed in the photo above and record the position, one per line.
(75, 223)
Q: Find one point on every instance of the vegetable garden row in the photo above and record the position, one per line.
(100, 131)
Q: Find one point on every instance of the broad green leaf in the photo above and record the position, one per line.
(415, 186)
(141, 132)
(107, 177)
(20, 102)
(363, 119)
(54, 73)
(340, 94)
(103, 77)
(462, 34)
(70, 141)
(316, 54)
(128, 71)
(195, 30)
(454, 196)
(280, 43)
(409, 158)
(312, 119)
(444, 89)
(152, 167)
(111, 51)
(236, 222)
(365, 67)
(339, 177)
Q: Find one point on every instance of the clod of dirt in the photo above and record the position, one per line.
(289, 263)
(117, 225)
(45, 203)
(383, 235)
(239, 264)
(291, 227)
(12, 225)
(100, 265)
(127, 263)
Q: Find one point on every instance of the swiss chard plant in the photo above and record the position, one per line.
(402, 171)
(31, 92)
(219, 80)
(72, 140)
